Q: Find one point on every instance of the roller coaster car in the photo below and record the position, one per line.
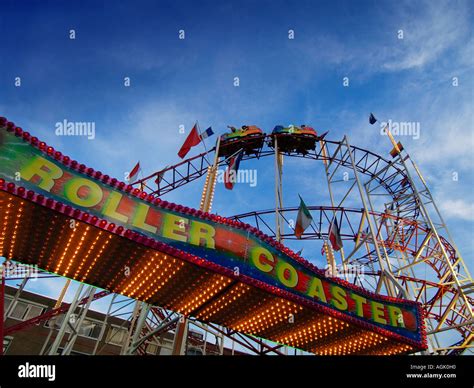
(249, 137)
(294, 139)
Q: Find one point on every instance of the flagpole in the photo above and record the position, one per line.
(183, 324)
(202, 141)
(392, 139)
(328, 252)
(278, 194)
(142, 184)
(206, 204)
(233, 155)
(209, 187)
(326, 168)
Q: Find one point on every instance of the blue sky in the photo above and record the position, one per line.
(176, 82)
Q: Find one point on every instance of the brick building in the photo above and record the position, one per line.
(94, 337)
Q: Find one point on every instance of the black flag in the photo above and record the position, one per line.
(372, 119)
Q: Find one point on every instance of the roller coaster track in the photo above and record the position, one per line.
(401, 230)
(434, 296)
(389, 174)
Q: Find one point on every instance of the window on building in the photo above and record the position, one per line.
(33, 311)
(166, 348)
(196, 335)
(194, 352)
(95, 331)
(56, 322)
(6, 343)
(19, 310)
(152, 348)
(90, 329)
(73, 352)
(116, 335)
(25, 311)
(7, 304)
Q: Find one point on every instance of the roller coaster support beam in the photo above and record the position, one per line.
(453, 273)
(431, 224)
(140, 323)
(181, 333)
(78, 323)
(329, 252)
(164, 326)
(104, 324)
(180, 337)
(452, 269)
(63, 292)
(372, 228)
(210, 183)
(245, 341)
(62, 330)
(278, 190)
(124, 303)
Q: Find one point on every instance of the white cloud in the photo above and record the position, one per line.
(430, 30)
(427, 35)
(457, 208)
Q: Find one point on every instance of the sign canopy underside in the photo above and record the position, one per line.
(33, 234)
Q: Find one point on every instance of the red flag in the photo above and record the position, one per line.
(334, 236)
(192, 140)
(133, 175)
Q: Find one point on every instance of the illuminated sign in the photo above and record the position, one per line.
(238, 249)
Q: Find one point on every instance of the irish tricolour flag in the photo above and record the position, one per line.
(303, 220)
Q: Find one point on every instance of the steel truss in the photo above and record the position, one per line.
(395, 244)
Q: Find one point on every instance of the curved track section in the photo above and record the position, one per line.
(413, 241)
(390, 176)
